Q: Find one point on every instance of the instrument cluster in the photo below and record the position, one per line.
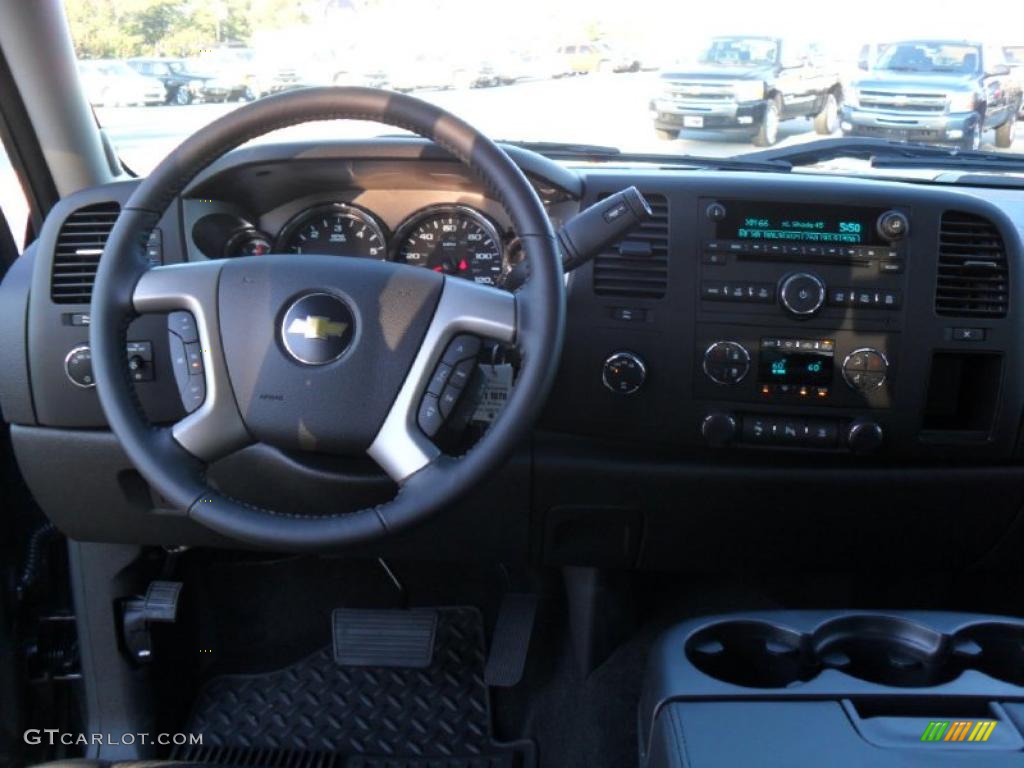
(455, 239)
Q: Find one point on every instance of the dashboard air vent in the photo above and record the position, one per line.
(79, 245)
(973, 279)
(638, 266)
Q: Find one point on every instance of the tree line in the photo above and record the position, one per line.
(124, 28)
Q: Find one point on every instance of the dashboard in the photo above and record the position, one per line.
(861, 333)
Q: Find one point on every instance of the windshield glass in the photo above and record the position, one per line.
(928, 57)
(657, 78)
(740, 52)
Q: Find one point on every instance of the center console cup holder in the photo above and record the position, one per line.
(886, 650)
(995, 648)
(753, 654)
(883, 650)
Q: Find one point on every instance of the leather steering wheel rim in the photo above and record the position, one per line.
(127, 286)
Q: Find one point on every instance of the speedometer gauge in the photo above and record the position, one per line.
(455, 240)
(336, 229)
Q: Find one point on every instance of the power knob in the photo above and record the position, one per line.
(802, 293)
(719, 429)
(863, 436)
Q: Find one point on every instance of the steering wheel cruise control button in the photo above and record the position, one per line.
(183, 325)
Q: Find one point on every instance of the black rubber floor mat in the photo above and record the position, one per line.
(376, 717)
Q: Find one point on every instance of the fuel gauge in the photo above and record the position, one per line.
(248, 242)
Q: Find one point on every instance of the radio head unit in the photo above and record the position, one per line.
(805, 224)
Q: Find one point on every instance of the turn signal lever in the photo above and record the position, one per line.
(591, 231)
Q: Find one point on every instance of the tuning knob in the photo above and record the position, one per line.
(719, 429)
(893, 225)
(802, 293)
(864, 436)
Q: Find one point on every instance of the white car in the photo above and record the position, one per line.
(112, 83)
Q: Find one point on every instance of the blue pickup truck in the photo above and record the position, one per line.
(750, 84)
(942, 91)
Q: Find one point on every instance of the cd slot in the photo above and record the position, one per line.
(845, 261)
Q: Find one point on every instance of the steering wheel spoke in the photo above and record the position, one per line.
(402, 448)
(215, 428)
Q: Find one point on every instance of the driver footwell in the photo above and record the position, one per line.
(430, 710)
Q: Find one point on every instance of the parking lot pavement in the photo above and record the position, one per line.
(610, 109)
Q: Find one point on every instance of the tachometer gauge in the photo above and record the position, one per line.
(455, 240)
(336, 229)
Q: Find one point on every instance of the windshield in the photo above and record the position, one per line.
(741, 52)
(661, 79)
(927, 57)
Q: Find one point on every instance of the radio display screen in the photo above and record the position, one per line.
(799, 362)
(791, 223)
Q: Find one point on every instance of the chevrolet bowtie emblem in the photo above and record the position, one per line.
(316, 327)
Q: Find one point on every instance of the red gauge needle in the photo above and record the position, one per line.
(463, 265)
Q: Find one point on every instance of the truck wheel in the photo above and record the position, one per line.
(768, 132)
(826, 122)
(664, 135)
(183, 96)
(1007, 133)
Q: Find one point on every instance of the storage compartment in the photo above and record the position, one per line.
(963, 390)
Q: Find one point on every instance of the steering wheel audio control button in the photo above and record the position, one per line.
(448, 400)
(463, 347)
(461, 373)
(440, 378)
(430, 418)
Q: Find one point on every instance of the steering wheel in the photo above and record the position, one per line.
(320, 352)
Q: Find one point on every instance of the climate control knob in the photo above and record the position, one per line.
(726, 362)
(864, 436)
(719, 429)
(802, 293)
(624, 373)
(865, 369)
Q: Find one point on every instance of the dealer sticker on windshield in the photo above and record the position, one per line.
(497, 385)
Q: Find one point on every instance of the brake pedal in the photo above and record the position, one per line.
(384, 638)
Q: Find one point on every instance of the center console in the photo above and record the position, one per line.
(801, 307)
(810, 688)
(804, 316)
